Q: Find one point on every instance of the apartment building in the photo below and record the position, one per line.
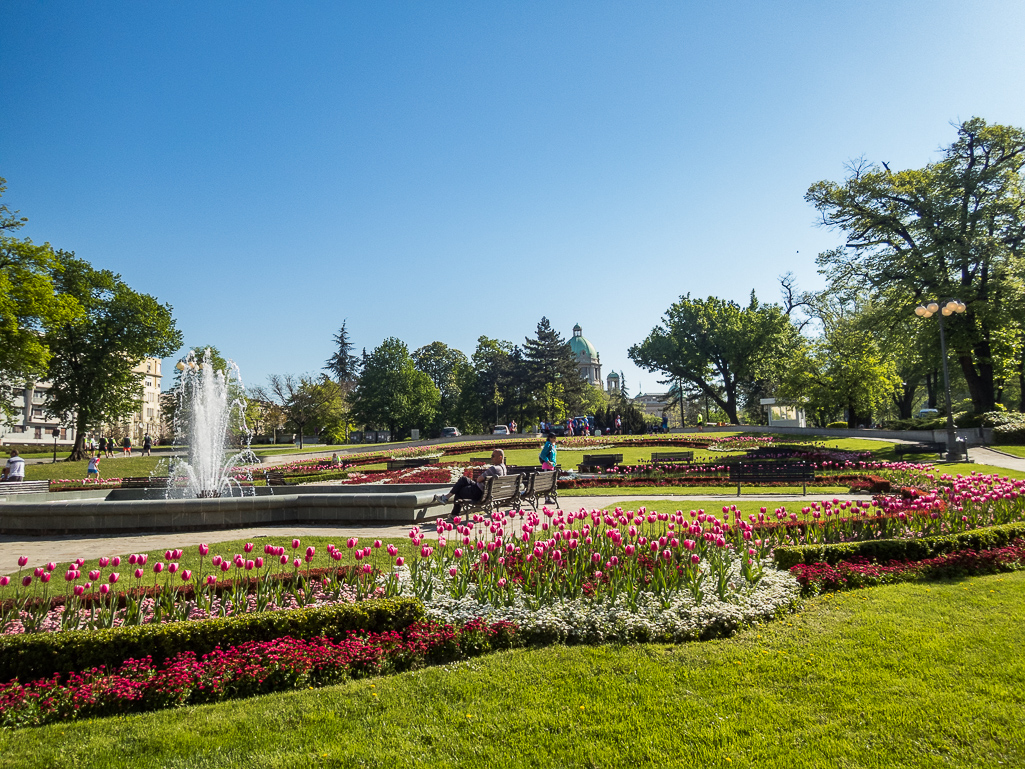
(29, 425)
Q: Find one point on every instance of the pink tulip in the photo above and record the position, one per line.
(132, 559)
(204, 549)
(186, 575)
(216, 560)
(211, 579)
(94, 574)
(5, 581)
(143, 558)
(79, 590)
(45, 577)
(295, 544)
(248, 547)
(104, 589)
(138, 573)
(157, 568)
(168, 555)
(51, 566)
(113, 577)
(115, 561)
(38, 571)
(392, 550)
(296, 563)
(69, 576)
(225, 566)
(310, 551)
(259, 563)
(453, 571)
(377, 544)
(26, 581)
(173, 568)
(398, 562)
(104, 562)
(22, 560)
(177, 554)
(250, 565)
(284, 559)
(501, 582)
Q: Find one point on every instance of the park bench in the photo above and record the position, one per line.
(538, 486)
(771, 472)
(406, 463)
(499, 491)
(275, 478)
(659, 457)
(146, 482)
(919, 448)
(9, 488)
(591, 462)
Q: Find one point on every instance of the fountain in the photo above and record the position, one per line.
(211, 407)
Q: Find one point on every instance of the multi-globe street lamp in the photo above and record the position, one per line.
(927, 311)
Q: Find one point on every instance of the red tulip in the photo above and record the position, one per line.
(22, 560)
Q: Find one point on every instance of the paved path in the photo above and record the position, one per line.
(62, 549)
(995, 457)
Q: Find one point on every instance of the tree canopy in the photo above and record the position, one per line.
(93, 354)
(953, 229)
(393, 392)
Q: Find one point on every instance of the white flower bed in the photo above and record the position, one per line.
(607, 621)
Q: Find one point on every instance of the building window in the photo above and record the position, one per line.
(39, 432)
(149, 413)
(18, 428)
(37, 412)
(64, 433)
(149, 367)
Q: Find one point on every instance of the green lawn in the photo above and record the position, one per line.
(911, 675)
(1018, 451)
(704, 491)
(115, 467)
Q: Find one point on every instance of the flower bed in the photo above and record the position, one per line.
(861, 572)
(256, 667)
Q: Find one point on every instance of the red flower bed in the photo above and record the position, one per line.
(257, 667)
(860, 572)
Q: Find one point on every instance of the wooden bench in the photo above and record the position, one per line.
(536, 486)
(275, 478)
(659, 457)
(589, 462)
(771, 472)
(499, 491)
(156, 482)
(919, 448)
(406, 463)
(10, 488)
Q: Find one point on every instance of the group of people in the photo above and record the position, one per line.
(472, 489)
(108, 445)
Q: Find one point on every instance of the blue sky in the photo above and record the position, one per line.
(438, 171)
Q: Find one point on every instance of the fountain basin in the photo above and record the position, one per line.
(113, 513)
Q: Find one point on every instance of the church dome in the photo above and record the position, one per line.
(579, 345)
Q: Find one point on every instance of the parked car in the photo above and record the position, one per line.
(500, 430)
(450, 432)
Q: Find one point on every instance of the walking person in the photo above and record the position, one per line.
(14, 470)
(147, 445)
(473, 490)
(126, 446)
(547, 457)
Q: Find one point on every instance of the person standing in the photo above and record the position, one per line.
(547, 457)
(94, 467)
(147, 445)
(14, 470)
(126, 446)
(701, 422)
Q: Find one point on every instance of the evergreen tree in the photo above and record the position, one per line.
(552, 372)
(342, 363)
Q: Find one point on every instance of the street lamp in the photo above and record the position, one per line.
(927, 311)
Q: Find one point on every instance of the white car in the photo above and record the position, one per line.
(500, 430)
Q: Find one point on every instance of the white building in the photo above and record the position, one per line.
(147, 419)
(29, 425)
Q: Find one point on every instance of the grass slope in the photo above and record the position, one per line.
(907, 675)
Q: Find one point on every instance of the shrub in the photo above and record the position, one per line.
(41, 654)
(884, 550)
(837, 425)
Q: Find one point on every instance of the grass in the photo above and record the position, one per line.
(116, 467)
(1017, 451)
(911, 675)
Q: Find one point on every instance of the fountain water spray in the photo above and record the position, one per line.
(211, 408)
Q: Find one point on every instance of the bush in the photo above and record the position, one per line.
(42, 654)
(837, 425)
(885, 550)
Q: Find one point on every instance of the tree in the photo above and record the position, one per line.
(443, 365)
(954, 229)
(552, 372)
(29, 303)
(93, 354)
(718, 346)
(302, 399)
(344, 366)
(493, 363)
(391, 391)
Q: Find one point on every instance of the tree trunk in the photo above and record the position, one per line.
(906, 400)
(980, 382)
(78, 450)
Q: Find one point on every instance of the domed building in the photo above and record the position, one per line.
(586, 357)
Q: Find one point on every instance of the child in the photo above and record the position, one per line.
(94, 467)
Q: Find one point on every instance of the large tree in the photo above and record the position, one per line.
(303, 400)
(93, 354)
(954, 229)
(719, 347)
(344, 366)
(393, 392)
(552, 372)
(443, 364)
(29, 304)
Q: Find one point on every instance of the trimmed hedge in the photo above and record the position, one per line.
(38, 655)
(885, 550)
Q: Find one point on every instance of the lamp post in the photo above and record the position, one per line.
(927, 311)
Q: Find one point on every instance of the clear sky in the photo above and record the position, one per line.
(439, 171)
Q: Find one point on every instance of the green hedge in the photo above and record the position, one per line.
(39, 655)
(883, 550)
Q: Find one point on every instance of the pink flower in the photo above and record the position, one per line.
(173, 568)
(168, 555)
(259, 563)
(143, 558)
(310, 551)
(695, 559)
(177, 554)
(501, 582)
(392, 550)
(225, 566)
(5, 581)
(297, 563)
(22, 560)
(113, 577)
(157, 568)
(94, 574)
(295, 544)
(248, 547)
(104, 589)
(45, 577)
(79, 590)
(453, 571)
(115, 561)
(398, 562)
(26, 581)
(377, 544)
(211, 579)
(284, 559)
(132, 559)
(51, 566)
(104, 562)
(186, 575)
(138, 573)
(204, 549)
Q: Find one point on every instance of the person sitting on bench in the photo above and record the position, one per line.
(474, 490)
